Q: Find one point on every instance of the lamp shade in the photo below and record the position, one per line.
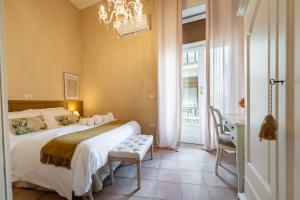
(76, 113)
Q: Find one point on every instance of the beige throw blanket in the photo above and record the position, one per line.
(59, 151)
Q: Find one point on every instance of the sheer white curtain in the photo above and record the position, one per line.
(169, 72)
(225, 59)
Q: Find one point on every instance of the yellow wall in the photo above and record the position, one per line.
(43, 40)
(120, 75)
(46, 38)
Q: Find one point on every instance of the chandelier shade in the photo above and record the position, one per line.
(121, 12)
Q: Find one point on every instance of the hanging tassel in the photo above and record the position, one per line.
(268, 129)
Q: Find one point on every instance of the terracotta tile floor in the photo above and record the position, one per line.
(185, 175)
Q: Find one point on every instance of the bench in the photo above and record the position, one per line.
(132, 150)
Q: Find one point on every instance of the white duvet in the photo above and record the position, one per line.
(90, 155)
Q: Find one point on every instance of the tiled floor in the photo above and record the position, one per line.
(185, 175)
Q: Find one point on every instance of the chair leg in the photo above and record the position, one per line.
(152, 152)
(138, 166)
(218, 156)
(221, 154)
(111, 171)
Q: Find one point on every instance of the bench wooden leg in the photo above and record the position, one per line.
(111, 171)
(152, 152)
(138, 166)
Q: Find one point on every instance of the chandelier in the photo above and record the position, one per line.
(122, 13)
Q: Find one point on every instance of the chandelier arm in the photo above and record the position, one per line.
(130, 15)
(131, 3)
(115, 5)
(111, 17)
(112, 3)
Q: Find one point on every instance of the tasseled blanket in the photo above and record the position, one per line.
(59, 151)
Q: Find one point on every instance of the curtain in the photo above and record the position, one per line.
(169, 72)
(225, 59)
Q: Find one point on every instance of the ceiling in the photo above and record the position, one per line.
(81, 4)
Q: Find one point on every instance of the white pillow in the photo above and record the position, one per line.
(23, 114)
(49, 115)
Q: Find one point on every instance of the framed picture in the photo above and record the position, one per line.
(72, 86)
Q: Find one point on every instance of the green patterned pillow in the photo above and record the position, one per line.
(65, 120)
(23, 126)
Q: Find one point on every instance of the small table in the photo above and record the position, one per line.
(235, 124)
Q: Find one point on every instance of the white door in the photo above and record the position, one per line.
(294, 77)
(193, 94)
(265, 60)
(5, 181)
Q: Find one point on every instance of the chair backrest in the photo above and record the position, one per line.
(218, 121)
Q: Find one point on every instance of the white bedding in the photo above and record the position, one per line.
(90, 155)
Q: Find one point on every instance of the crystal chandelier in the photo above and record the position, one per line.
(123, 12)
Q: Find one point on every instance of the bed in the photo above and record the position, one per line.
(88, 165)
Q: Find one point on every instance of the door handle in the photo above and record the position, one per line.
(201, 90)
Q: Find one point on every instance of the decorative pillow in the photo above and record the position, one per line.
(23, 126)
(65, 120)
(50, 115)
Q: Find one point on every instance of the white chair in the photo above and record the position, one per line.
(223, 140)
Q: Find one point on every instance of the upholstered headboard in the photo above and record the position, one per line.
(18, 105)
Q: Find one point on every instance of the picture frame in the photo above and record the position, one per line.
(71, 86)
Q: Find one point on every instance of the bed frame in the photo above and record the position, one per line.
(19, 105)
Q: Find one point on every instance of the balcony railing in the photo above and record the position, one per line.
(190, 114)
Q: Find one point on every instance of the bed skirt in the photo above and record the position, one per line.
(97, 181)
